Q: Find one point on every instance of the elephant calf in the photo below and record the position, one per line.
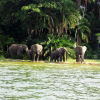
(59, 54)
(55, 56)
(80, 52)
(36, 51)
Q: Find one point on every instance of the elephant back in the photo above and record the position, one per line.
(62, 50)
(23, 47)
(13, 48)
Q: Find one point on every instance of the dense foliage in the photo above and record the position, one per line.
(52, 23)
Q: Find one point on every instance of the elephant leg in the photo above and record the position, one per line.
(77, 57)
(33, 57)
(37, 57)
(60, 58)
(63, 58)
(55, 59)
(20, 56)
(51, 59)
(82, 58)
(12, 55)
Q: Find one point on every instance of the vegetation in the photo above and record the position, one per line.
(52, 23)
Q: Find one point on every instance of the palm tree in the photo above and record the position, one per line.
(82, 31)
(53, 16)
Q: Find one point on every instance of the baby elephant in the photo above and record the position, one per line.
(36, 51)
(54, 56)
(80, 52)
(59, 54)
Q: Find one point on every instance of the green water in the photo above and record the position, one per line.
(49, 81)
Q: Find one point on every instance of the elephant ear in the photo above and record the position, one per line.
(84, 49)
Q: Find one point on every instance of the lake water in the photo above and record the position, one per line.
(49, 81)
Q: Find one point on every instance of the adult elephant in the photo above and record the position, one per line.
(80, 52)
(59, 54)
(17, 50)
(36, 51)
(62, 52)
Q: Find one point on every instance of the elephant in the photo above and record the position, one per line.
(17, 50)
(80, 52)
(36, 51)
(59, 54)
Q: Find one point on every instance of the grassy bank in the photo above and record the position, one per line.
(69, 61)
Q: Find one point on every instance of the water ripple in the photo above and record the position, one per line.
(29, 83)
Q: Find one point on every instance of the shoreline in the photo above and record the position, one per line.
(70, 61)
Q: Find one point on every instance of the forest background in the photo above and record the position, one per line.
(51, 23)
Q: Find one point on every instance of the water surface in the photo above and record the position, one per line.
(49, 81)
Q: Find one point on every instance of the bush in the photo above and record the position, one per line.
(2, 57)
(90, 53)
(54, 41)
(5, 41)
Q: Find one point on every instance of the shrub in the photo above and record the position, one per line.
(5, 41)
(55, 41)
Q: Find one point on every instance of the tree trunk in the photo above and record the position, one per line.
(78, 40)
(78, 2)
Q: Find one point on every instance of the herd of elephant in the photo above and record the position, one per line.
(36, 50)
